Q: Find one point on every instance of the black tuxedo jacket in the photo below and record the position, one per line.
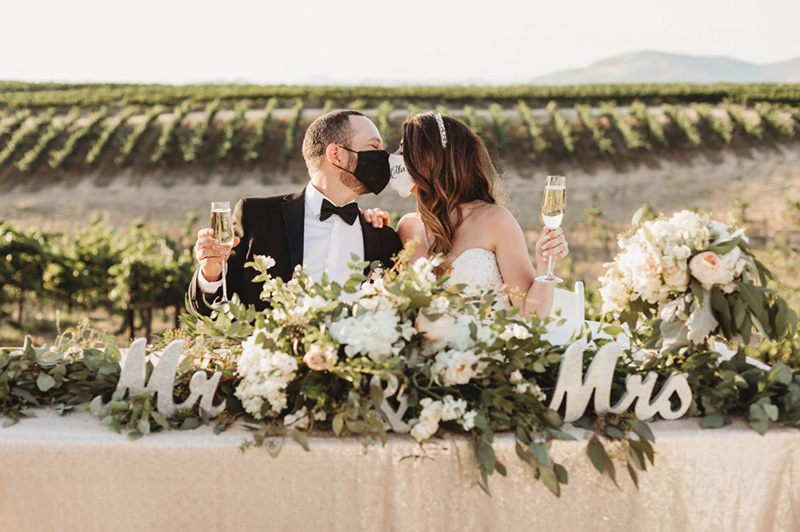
(274, 226)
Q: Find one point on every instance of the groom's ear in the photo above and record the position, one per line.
(333, 155)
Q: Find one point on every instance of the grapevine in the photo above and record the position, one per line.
(260, 133)
(130, 143)
(562, 127)
(23, 134)
(57, 157)
(199, 133)
(231, 128)
(654, 127)
(168, 132)
(684, 123)
(534, 129)
(600, 140)
(108, 132)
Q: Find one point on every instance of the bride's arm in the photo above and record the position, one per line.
(515, 264)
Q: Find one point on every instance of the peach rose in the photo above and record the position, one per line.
(708, 268)
(437, 329)
(319, 358)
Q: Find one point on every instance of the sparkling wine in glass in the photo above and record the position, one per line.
(554, 203)
(222, 225)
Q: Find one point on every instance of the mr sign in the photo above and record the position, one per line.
(578, 388)
(162, 381)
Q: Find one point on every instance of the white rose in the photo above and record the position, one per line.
(319, 358)
(459, 368)
(680, 253)
(674, 276)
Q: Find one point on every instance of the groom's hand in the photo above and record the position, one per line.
(376, 217)
(211, 254)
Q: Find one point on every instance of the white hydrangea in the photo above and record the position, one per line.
(423, 268)
(524, 388)
(373, 334)
(515, 330)
(434, 412)
(439, 305)
(428, 422)
(468, 421)
(297, 420)
(265, 375)
(452, 408)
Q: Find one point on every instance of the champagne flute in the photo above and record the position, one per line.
(222, 225)
(554, 203)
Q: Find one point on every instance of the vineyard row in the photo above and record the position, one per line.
(187, 134)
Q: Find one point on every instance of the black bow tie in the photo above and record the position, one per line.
(348, 212)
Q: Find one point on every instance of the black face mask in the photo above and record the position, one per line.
(372, 169)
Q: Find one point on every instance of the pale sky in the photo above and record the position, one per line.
(355, 42)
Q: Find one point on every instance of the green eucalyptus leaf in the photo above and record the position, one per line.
(561, 473)
(45, 382)
(485, 455)
(550, 479)
(643, 430)
(300, 437)
(540, 453)
(712, 421)
(634, 476)
(597, 454)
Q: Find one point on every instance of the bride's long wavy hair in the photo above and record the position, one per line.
(446, 177)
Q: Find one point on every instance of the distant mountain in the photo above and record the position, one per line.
(658, 67)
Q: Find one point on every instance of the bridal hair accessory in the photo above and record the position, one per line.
(442, 132)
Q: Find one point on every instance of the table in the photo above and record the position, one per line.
(71, 474)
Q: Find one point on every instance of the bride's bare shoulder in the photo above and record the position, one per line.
(495, 217)
(408, 226)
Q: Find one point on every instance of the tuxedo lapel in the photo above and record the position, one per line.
(294, 217)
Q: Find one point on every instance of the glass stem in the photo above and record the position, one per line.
(549, 266)
(224, 280)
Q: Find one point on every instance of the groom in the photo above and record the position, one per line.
(318, 227)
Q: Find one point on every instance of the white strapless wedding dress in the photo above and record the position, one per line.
(477, 268)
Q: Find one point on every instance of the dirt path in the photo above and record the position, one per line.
(765, 179)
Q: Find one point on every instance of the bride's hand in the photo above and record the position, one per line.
(552, 242)
(376, 217)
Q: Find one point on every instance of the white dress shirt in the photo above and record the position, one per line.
(326, 245)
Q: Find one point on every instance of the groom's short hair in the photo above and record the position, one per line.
(330, 128)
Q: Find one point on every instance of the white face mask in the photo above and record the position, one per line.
(400, 181)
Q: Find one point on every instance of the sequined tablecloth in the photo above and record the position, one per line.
(71, 474)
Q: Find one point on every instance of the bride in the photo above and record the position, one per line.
(458, 214)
